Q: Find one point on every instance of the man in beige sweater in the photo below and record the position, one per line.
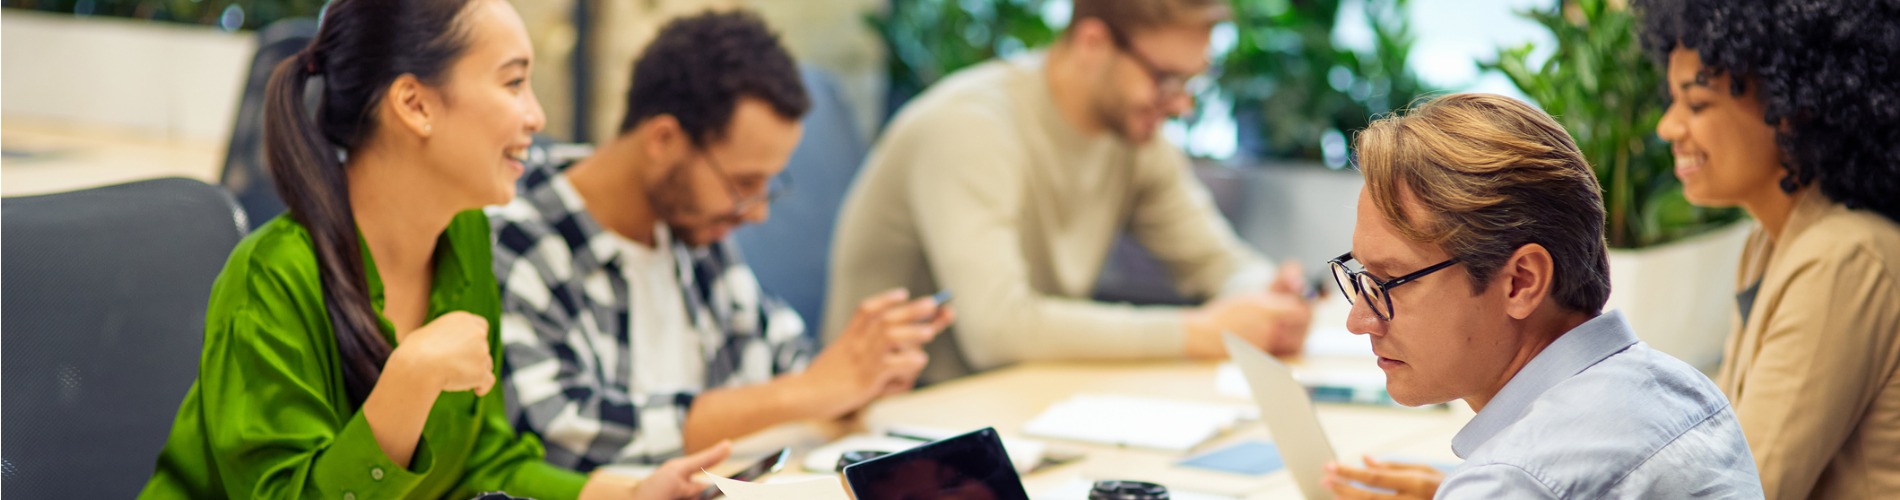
(1008, 182)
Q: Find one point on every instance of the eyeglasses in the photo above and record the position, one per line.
(1380, 299)
(1168, 84)
(775, 188)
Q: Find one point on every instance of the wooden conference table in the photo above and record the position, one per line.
(1008, 398)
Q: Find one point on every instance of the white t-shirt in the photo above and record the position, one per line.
(667, 352)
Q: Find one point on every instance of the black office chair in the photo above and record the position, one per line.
(791, 252)
(245, 173)
(105, 296)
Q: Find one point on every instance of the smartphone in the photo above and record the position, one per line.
(1317, 285)
(770, 464)
(942, 298)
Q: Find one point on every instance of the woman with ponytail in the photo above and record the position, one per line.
(350, 346)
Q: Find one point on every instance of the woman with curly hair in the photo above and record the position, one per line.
(1791, 110)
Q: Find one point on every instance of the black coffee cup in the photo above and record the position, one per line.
(1127, 490)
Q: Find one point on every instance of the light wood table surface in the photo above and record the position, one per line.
(49, 157)
(1010, 397)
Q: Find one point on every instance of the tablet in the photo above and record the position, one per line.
(970, 466)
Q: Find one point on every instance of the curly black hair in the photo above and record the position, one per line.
(1828, 73)
(699, 66)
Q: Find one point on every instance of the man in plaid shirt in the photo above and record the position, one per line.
(634, 331)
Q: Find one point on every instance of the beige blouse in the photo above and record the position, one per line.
(1811, 366)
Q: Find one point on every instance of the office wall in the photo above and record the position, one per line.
(551, 28)
(164, 80)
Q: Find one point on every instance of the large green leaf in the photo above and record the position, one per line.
(1606, 91)
(1284, 72)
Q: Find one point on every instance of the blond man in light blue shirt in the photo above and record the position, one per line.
(1480, 230)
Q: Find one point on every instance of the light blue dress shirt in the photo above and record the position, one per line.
(1598, 414)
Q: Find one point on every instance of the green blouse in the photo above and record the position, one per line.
(269, 417)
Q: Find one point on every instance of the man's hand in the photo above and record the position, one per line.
(1404, 480)
(880, 351)
(1275, 320)
(678, 478)
(1276, 323)
(1291, 280)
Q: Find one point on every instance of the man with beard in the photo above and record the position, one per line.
(1009, 181)
(634, 332)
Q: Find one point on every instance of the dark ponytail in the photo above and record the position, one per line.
(361, 47)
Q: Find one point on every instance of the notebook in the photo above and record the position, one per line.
(1134, 421)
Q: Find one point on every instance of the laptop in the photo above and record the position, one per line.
(1288, 412)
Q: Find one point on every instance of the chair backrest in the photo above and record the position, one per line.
(790, 252)
(105, 297)
(245, 173)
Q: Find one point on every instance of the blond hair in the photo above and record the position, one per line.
(1491, 174)
(1129, 17)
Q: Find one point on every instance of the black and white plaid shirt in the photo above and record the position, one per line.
(566, 321)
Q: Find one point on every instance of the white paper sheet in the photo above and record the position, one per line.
(1338, 342)
(1121, 420)
(808, 488)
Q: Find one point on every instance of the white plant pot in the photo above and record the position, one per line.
(1680, 296)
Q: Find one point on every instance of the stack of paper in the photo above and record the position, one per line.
(1134, 421)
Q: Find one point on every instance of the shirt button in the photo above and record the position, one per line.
(376, 473)
(349, 496)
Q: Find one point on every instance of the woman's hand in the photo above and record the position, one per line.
(449, 354)
(1403, 480)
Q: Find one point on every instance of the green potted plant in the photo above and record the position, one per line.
(1671, 263)
(928, 39)
(226, 14)
(1296, 94)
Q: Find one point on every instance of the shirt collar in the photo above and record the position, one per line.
(605, 251)
(445, 289)
(1572, 353)
(1809, 206)
(1063, 134)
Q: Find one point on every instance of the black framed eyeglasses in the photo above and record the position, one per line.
(775, 188)
(1168, 84)
(1380, 292)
